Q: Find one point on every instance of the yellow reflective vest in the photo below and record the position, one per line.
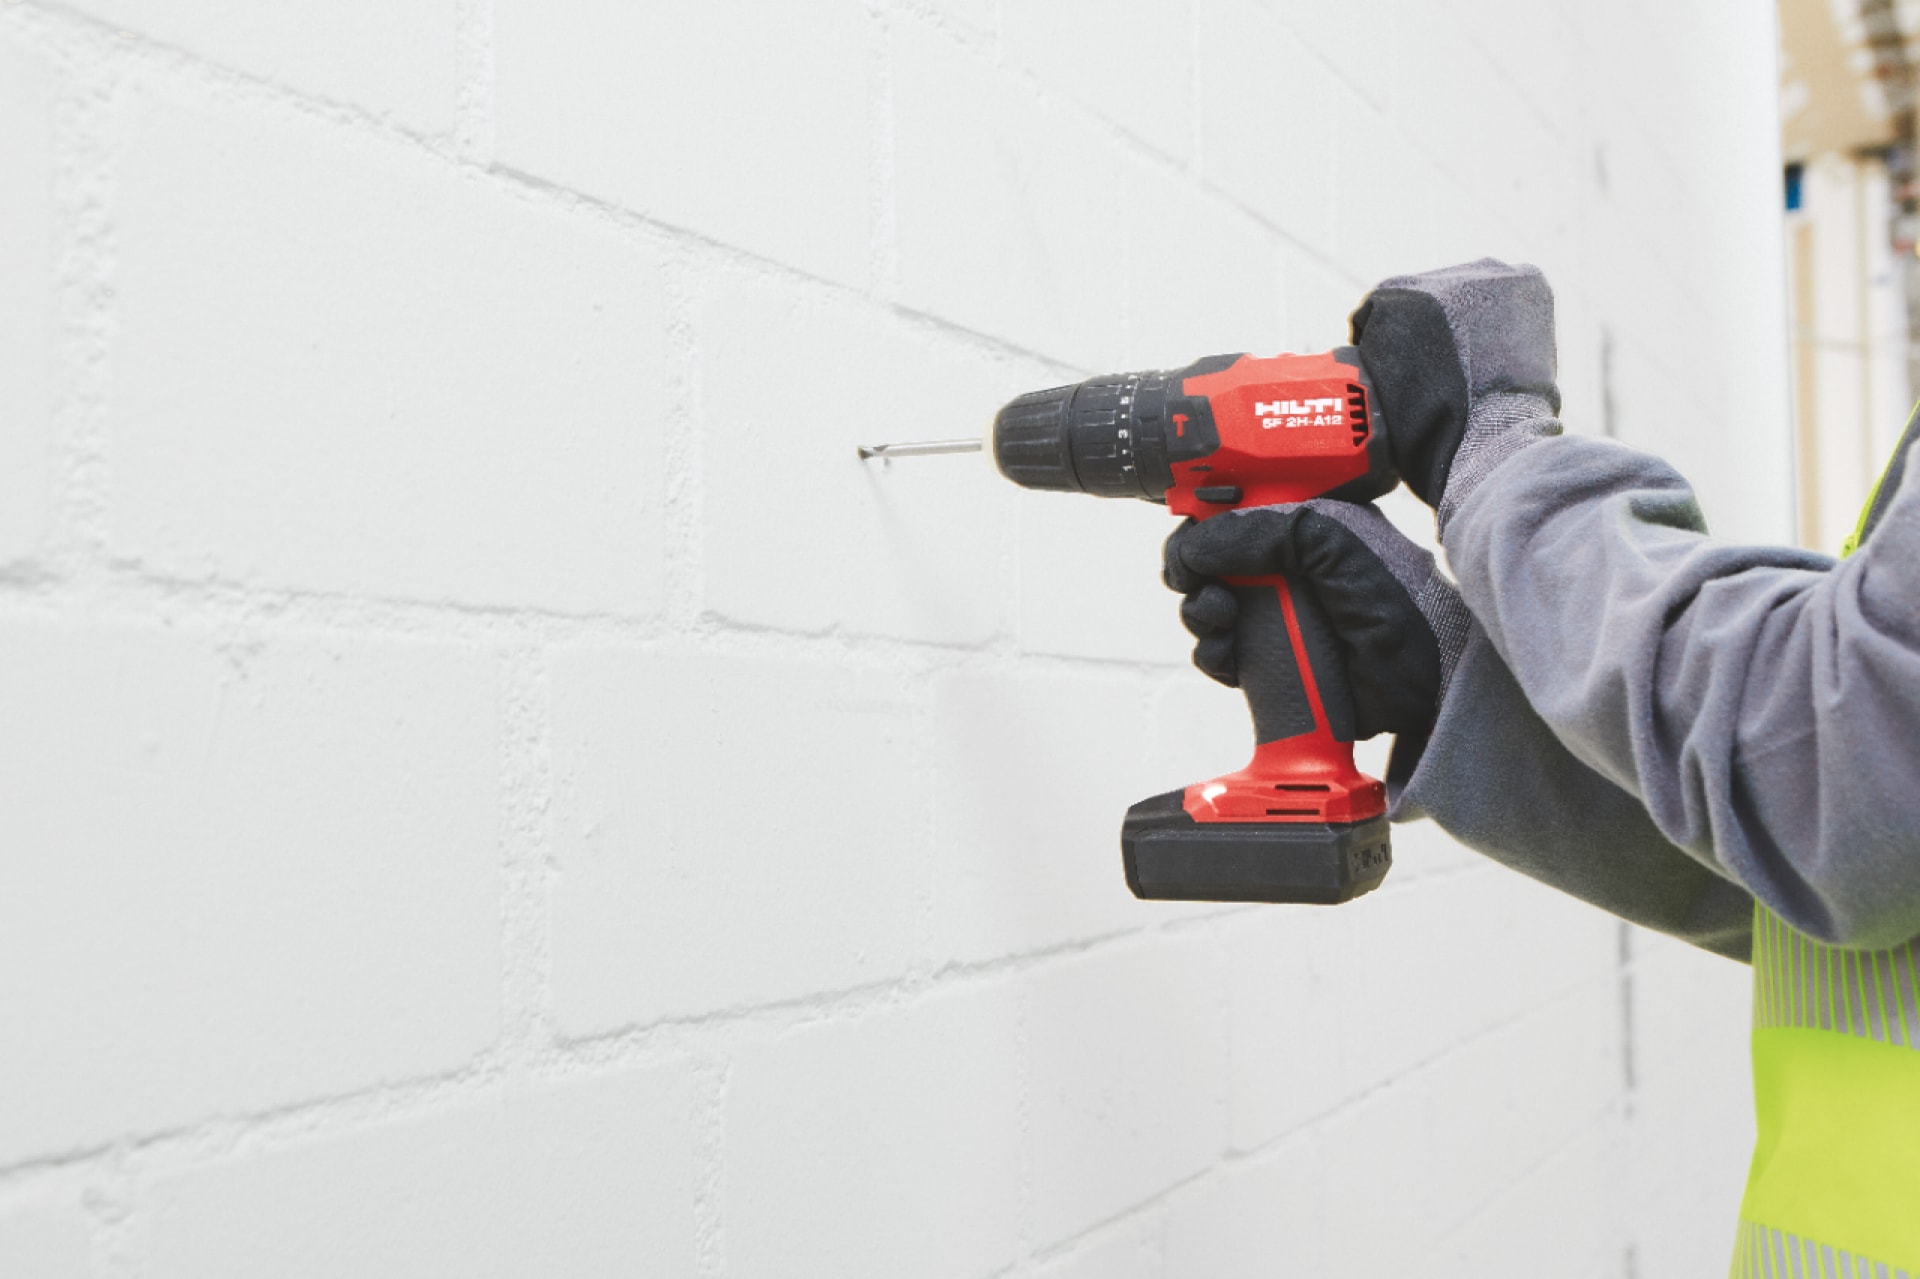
(1835, 1185)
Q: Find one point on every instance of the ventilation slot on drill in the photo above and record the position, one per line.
(1293, 812)
(1357, 401)
(1321, 787)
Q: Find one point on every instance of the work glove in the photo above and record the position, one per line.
(1398, 623)
(1462, 360)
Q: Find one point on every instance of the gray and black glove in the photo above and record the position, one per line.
(1398, 623)
(1463, 363)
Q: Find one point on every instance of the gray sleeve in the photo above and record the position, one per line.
(1494, 776)
(1763, 704)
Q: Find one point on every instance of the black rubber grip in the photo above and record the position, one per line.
(1269, 665)
(1329, 668)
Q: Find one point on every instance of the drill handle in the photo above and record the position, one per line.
(1299, 823)
(1289, 663)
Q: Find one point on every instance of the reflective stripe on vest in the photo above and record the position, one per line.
(1835, 1185)
(1761, 1253)
(1836, 1091)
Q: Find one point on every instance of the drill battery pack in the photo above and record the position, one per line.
(1171, 857)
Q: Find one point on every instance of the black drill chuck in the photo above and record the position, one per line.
(1106, 436)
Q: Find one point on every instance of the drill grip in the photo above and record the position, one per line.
(1289, 663)
(1297, 824)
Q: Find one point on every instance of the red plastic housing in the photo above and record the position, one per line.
(1290, 428)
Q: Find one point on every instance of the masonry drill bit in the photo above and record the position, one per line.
(924, 448)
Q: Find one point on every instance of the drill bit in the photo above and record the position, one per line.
(925, 448)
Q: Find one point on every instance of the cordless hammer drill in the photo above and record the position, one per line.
(1299, 823)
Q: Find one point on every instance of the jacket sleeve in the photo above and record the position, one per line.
(1762, 704)
(1495, 777)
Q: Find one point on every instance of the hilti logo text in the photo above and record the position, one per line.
(1328, 411)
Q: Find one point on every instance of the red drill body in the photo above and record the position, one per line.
(1299, 823)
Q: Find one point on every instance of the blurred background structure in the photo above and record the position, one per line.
(1847, 137)
(490, 785)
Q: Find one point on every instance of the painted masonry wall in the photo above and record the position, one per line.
(491, 785)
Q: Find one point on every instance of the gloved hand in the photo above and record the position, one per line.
(1463, 361)
(1399, 623)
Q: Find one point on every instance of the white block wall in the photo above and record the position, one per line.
(489, 785)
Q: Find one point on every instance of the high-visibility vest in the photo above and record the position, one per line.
(1835, 1185)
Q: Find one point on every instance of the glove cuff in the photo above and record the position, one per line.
(1499, 425)
(1447, 617)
